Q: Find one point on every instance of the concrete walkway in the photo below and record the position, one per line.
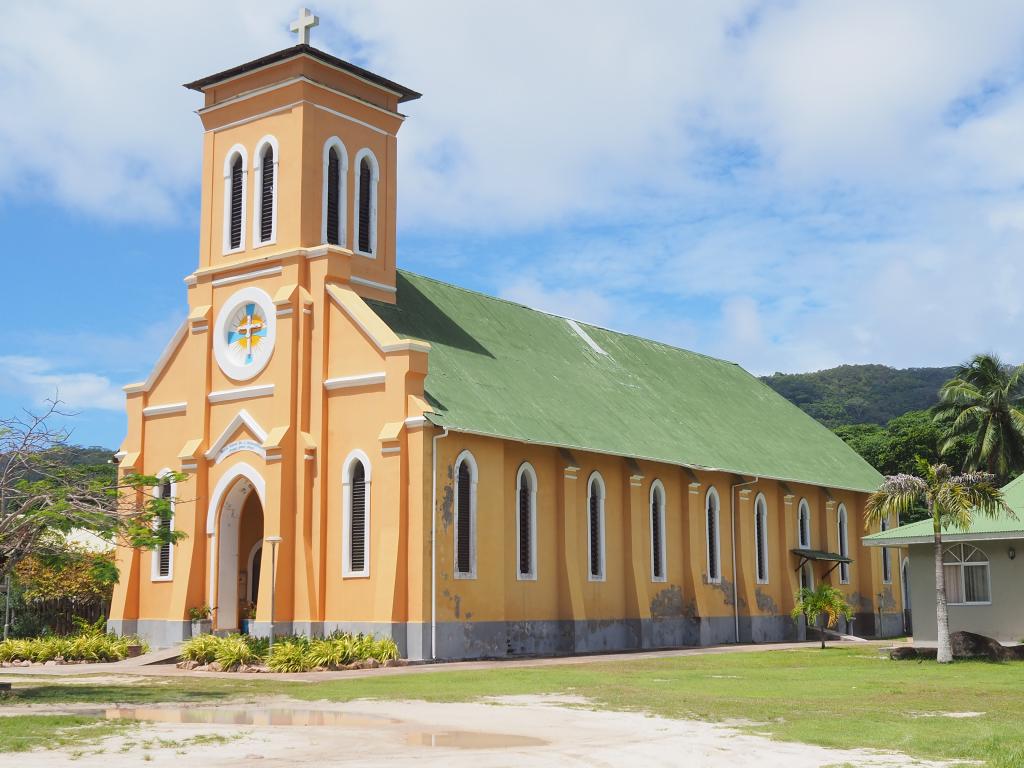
(140, 667)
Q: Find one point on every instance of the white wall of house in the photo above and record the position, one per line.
(1002, 619)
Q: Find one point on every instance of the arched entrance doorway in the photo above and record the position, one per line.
(236, 522)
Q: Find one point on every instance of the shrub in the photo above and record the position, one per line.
(331, 652)
(235, 650)
(385, 649)
(290, 655)
(202, 649)
(86, 646)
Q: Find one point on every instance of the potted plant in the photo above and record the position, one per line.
(201, 623)
(248, 618)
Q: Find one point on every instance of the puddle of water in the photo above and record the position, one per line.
(239, 716)
(470, 740)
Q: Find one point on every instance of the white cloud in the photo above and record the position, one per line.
(39, 380)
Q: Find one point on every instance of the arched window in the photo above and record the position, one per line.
(657, 531)
(844, 545)
(356, 536)
(367, 176)
(335, 183)
(465, 516)
(803, 536)
(886, 559)
(761, 538)
(265, 199)
(163, 556)
(526, 523)
(711, 510)
(595, 528)
(966, 572)
(235, 177)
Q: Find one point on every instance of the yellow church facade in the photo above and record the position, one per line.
(467, 475)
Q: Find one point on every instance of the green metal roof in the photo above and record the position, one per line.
(1002, 526)
(502, 369)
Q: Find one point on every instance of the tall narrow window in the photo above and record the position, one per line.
(844, 545)
(761, 538)
(803, 525)
(357, 530)
(268, 169)
(886, 559)
(237, 192)
(595, 527)
(335, 181)
(714, 549)
(465, 517)
(235, 177)
(657, 531)
(526, 522)
(356, 535)
(163, 556)
(367, 175)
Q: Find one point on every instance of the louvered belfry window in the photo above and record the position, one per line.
(267, 194)
(365, 205)
(464, 520)
(357, 522)
(333, 195)
(525, 525)
(657, 566)
(236, 203)
(595, 529)
(164, 551)
(712, 522)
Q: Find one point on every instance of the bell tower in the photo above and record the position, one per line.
(299, 157)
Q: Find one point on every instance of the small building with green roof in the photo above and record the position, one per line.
(984, 572)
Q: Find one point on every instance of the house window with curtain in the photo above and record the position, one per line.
(966, 572)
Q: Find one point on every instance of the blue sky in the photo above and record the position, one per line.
(791, 185)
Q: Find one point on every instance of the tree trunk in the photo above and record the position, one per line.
(945, 654)
(821, 628)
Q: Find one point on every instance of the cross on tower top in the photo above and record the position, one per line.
(302, 25)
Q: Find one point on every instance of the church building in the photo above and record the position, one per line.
(467, 475)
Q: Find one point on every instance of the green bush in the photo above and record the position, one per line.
(202, 649)
(385, 649)
(88, 645)
(290, 655)
(235, 650)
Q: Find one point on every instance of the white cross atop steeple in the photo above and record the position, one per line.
(303, 24)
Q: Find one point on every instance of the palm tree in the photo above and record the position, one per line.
(951, 501)
(985, 400)
(824, 601)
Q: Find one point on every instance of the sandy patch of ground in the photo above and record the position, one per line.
(521, 731)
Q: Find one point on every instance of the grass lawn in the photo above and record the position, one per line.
(837, 698)
(25, 732)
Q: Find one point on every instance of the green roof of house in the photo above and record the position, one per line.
(502, 369)
(1002, 526)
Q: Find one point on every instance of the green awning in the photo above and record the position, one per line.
(817, 554)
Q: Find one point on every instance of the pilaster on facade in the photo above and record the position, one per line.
(572, 560)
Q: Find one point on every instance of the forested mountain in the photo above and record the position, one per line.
(861, 394)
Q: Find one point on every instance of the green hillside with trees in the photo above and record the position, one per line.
(861, 394)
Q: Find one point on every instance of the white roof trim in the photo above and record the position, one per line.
(165, 356)
(585, 336)
(242, 418)
(360, 380)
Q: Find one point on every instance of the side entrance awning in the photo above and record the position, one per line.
(816, 555)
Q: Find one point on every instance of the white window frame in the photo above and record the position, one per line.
(473, 478)
(886, 557)
(236, 151)
(657, 487)
(366, 153)
(843, 535)
(346, 539)
(257, 198)
(335, 143)
(962, 564)
(717, 579)
(527, 469)
(601, 575)
(155, 554)
(761, 511)
(804, 508)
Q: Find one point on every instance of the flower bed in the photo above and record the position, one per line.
(81, 648)
(242, 653)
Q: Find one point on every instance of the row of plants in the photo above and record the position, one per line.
(89, 643)
(289, 654)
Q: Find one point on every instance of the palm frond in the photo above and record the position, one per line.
(897, 495)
